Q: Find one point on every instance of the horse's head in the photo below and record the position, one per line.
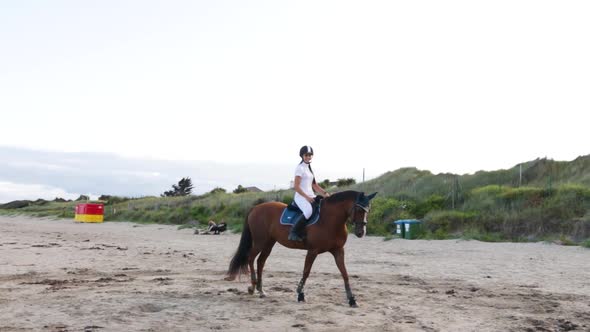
(359, 213)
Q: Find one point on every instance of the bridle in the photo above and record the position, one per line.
(357, 206)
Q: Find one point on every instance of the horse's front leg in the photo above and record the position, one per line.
(339, 258)
(309, 259)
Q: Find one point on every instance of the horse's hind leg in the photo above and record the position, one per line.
(253, 253)
(260, 266)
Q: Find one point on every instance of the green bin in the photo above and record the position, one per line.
(412, 229)
(399, 228)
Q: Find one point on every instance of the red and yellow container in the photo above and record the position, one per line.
(89, 212)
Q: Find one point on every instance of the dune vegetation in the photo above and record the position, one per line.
(537, 200)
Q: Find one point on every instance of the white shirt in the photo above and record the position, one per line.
(306, 175)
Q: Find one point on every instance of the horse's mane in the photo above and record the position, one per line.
(342, 196)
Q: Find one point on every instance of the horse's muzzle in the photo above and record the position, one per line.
(360, 229)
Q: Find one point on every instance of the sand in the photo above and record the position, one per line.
(59, 275)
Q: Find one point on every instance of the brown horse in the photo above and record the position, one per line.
(262, 229)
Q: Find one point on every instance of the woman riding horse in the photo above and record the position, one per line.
(262, 229)
(304, 186)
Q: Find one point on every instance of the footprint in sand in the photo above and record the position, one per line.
(150, 307)
(281, 289)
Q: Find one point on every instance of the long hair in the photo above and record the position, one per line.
(311, 170)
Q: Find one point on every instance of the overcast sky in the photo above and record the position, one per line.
(446, 86)
(36, 174)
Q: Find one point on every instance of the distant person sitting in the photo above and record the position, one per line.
(215, 228)
(212, 225)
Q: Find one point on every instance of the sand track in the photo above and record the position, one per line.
(57, 275)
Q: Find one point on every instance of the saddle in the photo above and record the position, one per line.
(292, 213)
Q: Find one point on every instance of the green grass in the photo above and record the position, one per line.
(476, 234)
(552, 202)
(439, 234)
(585, 244)
(566, 241)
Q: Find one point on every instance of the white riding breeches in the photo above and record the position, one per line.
(304, 205)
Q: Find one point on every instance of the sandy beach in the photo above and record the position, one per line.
(59, 275)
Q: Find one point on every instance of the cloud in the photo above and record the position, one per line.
(14, 191)
(31, 174)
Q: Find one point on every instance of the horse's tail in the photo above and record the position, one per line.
(239, 263)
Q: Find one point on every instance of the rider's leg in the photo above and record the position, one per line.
(299, 226)
(297, 229)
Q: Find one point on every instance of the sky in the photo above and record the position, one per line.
(445, 86)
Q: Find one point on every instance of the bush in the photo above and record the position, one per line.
(376, 228)
(432, 203)
(383, 212)
(345, 182)
(439, 234)
(448, 221)
(237, 227)
(200, 213)
(160, 216)
(568, 202)
(484, 199)
(111, 200)
(522, 197)
(259, 201)
(564, 240)
(287, 199)
(218, 190)
(240, 190)
(384, 209)
(580, 227)
(473, 233)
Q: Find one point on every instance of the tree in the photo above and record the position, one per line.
(104, 197)
(110, 199)
(345, 182)
(217, 190)
(240, 189)
(325, 184)
(183, 188)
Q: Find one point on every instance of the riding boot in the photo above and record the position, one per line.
(297, 229)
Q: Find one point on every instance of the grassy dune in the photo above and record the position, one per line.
(547, 200)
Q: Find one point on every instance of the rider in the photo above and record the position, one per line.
(304, 186)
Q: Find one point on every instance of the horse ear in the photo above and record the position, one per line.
(370, 197)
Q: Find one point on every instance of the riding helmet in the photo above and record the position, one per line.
(305, 149)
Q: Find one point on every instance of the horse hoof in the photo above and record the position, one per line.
(301, 297)
(352, 303)
(262, 295)
(250, 290)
